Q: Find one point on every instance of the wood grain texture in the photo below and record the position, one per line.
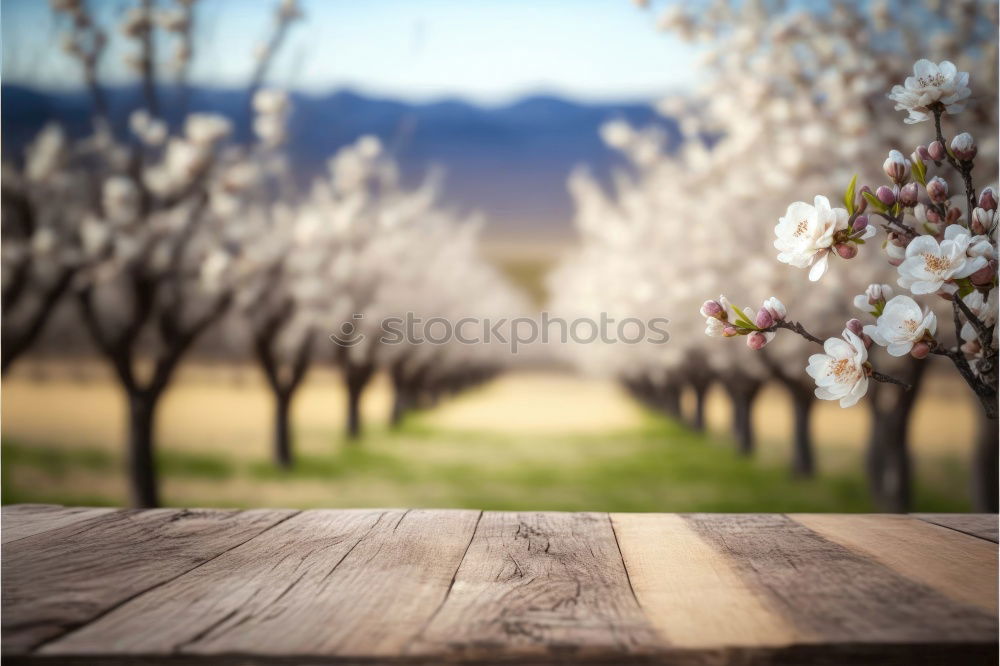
(238, 587)
(962, 567)
(539, 585)
(24, 520)
(982, 525)
(835, 592)
(59, 579)
(689, 590)
(323, 584)
(422, 588)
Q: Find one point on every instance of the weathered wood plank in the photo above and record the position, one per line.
(436, 587)
(961, 566)
(323, 584)
(834, 592)
(982, 525)
(245, 582)
(24, 520)
(690, 591)
(57, 580)
(536, 585)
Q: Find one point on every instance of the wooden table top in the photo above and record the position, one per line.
(106, 586)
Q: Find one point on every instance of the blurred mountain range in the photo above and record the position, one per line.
(509, 162)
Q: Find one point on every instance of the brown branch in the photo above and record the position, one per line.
(798, 328)
(964, 168)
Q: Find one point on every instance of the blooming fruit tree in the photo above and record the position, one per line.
(943, 246)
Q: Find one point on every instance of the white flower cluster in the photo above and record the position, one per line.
(806, 235)
(787, 100)
(934, 246)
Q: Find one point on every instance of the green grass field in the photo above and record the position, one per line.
(660, 466)
(540, 440)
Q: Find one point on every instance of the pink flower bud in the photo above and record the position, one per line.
(730, 332)
(895, 254)
(856, 327)
(776, 309)
(885, 195)
(897, 239)
(756, 340)
(920, 350)
(964, 147)
(984, 275)
(971, 347)
(936, 151)
(908, 195)
(937, 189)
(987, 199)
(846, 250)
(922, 153)
(953, 215)
(861, 203)
(860, 223)
(896, 167)
(764, 319)
(982, 221)
(713, 309)
(932, 215)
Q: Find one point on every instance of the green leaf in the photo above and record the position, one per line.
(920, 171)
(742, 318)
(965, 287)
(874, 202)
(849, 195)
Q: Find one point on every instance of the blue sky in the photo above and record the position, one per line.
(488, 51)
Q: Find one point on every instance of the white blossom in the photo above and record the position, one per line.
(985, 310)
(931, 83)
(840, 372)
(901, 325)
(94, 235)
(149, 130)
(806, 233)
(120, 198)
(213, 268)
(45, 153)
(270, 101)
(206, 128)
(930, 266)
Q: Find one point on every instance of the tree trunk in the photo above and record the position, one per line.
(141, 464)
(888, 457)
(671, 401)
(889, 465)
(700, 395)
(401, 404)
(742, 393)
(356, 376)
(803, 464)
(984, 466)
(282, 430)
(743, 426)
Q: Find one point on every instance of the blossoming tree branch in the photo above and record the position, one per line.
(941, 251)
